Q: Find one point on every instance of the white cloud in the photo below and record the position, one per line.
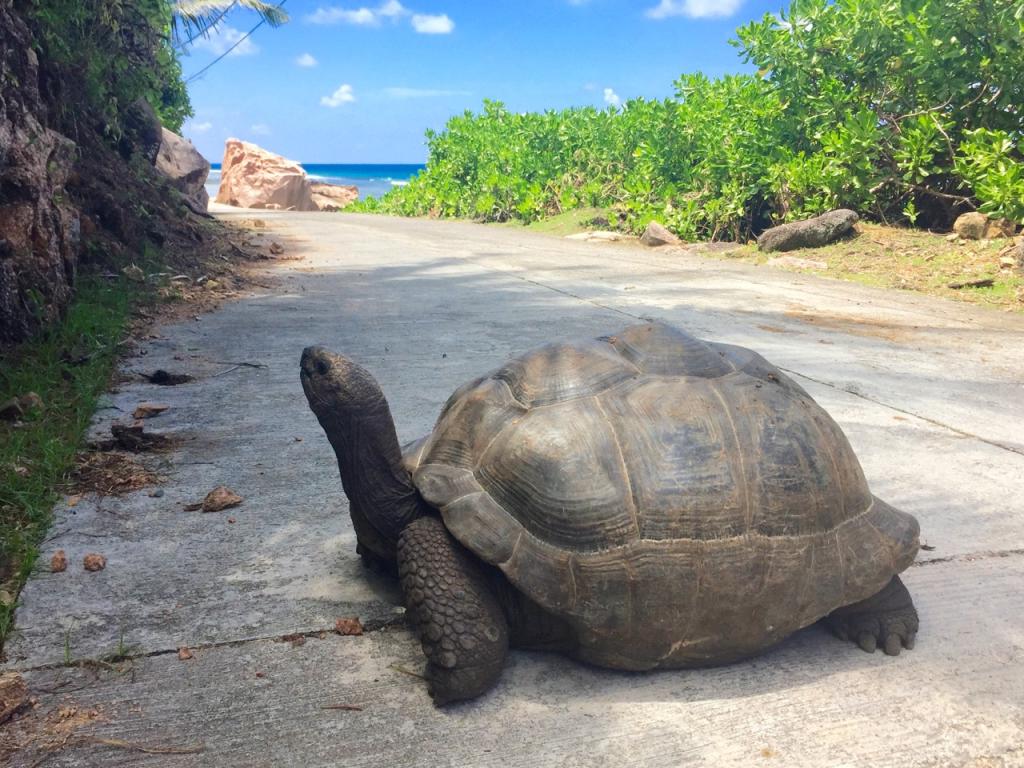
(367, 17)
(221, 40)
(199, 127)
(695, 9)
(426, 24)
(357, 16)
(611, 97)
(341, 96)
(389, 10)
(260, 129)
(392, 9)
(306, 60)
(421, 93)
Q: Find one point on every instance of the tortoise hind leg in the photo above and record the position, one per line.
(887, 619)
(457, 617)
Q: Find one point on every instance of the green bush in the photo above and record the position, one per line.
(906, 111)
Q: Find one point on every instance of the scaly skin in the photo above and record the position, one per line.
(455, 614)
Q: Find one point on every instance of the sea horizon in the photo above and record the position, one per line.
(372, 179)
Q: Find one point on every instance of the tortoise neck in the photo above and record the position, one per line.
(382, 498)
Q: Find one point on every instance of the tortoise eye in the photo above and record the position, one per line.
(322, 367)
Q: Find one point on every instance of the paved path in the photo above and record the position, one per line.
(929, 392)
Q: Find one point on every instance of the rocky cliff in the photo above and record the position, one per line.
(39, 227)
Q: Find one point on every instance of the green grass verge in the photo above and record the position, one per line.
(68, 367)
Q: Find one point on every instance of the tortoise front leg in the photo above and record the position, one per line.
(460, 624)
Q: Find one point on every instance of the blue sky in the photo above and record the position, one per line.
(358, 82)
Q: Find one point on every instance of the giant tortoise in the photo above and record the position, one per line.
(640, 501)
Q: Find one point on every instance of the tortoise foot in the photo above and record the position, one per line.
(887, 620)
(460, 624)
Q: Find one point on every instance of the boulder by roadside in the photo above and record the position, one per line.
(656, 234)
(252, 177)
(809, 233)
(185, 167)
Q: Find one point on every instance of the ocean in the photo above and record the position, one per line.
(373, 180)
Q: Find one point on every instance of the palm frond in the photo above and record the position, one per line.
(199, 17)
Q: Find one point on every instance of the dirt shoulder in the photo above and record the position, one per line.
(984, 272)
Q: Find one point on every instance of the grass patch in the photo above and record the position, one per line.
(68, 367)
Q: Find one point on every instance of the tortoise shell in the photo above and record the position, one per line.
(680, 502)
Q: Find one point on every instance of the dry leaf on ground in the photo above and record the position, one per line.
(149, 410)
(59, 562)
(94, 562)
(348, 626)
(220, 498)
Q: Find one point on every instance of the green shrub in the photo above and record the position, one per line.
(904, 110)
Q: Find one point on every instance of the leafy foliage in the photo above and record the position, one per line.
(906, 110)
(101, 56)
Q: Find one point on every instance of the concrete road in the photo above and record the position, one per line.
(929, 392)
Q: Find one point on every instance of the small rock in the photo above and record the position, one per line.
(94, 562)
(185, 653)
(276, 248)
(971, 226)
(59, 562)
(149, 410)
(348, 626)
(810, 233)
(1000, 228)
(655, 234)
(796, 263)
(220, 498)
(11, 410)
(259, 223)
(156, 493)
(134, 274)
(978, 226)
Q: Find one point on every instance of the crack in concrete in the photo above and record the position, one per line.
(969, 557)
(379, 626)
(934, 422)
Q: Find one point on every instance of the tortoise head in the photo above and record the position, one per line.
(335, 386)
(351, 408)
